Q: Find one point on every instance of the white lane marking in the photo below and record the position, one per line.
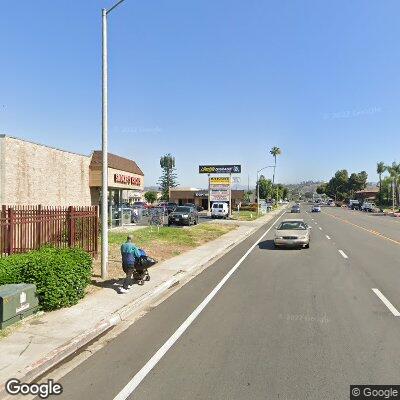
(343, 254)
(312, 219)
(138, 378)
(320, 228)
(328, 237)
(386, 302)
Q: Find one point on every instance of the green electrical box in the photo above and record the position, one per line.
(17, 301)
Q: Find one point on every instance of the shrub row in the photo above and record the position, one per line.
(61, 275)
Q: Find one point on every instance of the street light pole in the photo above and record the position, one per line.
(104, 149)
(104, 145)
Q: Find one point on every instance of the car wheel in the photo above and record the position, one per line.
(307, 246)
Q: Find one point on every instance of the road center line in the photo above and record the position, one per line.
(328, 237)
(138, 378)
(344, 255)
(386, 302)
(364, 229)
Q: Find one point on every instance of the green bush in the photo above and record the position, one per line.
(60, 275)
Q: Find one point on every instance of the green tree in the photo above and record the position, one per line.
(380, 169)
(321, 189)
(275, 151)
(394, 171)
(150, 196)
(168, 178)
(338, 185)
(356, 182)
(265, 189)
(247, 196)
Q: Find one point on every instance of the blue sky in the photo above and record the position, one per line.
(209, 81)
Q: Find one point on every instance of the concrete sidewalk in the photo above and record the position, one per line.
(42, 342)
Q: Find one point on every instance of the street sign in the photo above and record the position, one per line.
(220, 180)
(220, 169)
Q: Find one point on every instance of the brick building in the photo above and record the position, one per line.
(32, 174)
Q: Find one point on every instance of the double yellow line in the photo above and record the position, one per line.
(376, 233)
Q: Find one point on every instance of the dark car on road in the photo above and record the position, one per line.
(197, 208)
(183, 216)
(295, 208)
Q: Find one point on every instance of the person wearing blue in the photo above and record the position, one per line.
(130, 253)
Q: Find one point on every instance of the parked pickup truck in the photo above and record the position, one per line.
(368, 207)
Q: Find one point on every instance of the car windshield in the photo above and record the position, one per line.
(182, 209)
(292, 225)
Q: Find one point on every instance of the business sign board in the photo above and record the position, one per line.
(220, 180)
(220, 169)
(219, 195)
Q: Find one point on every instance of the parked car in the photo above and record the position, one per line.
(183, 216)
(295, 208)
(354, 205)
(197, 208)
(219, 210)
(168, 206)
(140, 204)
(292, 233)
(369, 207)
(316, 208)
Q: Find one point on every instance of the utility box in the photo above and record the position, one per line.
(17, 301)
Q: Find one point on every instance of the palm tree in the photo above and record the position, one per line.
(380, 169)
(275, 151)
(394, 171)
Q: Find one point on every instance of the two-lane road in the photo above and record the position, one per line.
(285, 324)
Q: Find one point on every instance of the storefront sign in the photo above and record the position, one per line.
(220, 180)
(220, 169)
(127, 179)
(219, 195)
(201, 194)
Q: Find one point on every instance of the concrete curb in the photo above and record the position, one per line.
(41, 366)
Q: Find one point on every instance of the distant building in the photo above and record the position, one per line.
(182, 195)
(370, 194)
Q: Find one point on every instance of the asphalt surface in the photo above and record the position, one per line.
(287, 324)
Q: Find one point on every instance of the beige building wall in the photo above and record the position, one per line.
(33, 174)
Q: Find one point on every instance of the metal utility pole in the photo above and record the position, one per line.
(104, 146)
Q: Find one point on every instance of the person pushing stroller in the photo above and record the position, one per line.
(134, 264)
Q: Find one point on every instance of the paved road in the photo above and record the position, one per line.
(287, 324)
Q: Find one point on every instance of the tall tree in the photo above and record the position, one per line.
(265, 189)
(380, 169)
(168, 178)
(394, 171)
(275, 151)
(150, 196)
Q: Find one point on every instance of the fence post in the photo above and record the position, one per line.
(39, 227)
(11, 221)
(71, 227)
(96, 231)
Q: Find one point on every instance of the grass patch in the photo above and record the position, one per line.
(245, 215)
(163, 244)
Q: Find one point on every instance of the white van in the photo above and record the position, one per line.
(219, 210)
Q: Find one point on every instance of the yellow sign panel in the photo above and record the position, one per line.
(220, 180)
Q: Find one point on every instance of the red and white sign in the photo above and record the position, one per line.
(127, 179)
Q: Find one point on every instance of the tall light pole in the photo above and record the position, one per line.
(104, 146)
(258, 187)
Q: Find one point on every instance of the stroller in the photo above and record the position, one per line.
(141, 274)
